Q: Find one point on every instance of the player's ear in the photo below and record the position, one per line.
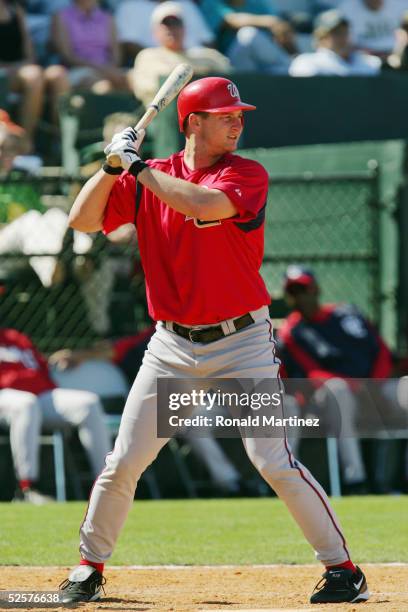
(193, 122)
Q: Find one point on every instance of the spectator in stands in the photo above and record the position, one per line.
(373, 23)
(399, 57)
(26, 79)
(133, 20)
(84, 36)
(155, 62)
(38, 16)
(88, 369)
(29, 400)
(330, 344)
(245, 31)
(334, 55)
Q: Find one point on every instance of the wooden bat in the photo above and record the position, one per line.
(174, 83)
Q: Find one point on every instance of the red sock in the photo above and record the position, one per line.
(346, 565)
(25, 484)
(98, 566)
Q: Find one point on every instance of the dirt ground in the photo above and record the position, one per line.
(215, 589)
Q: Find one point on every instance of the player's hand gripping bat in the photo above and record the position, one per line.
(174, 83)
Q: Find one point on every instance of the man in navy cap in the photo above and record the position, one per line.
(330, 344)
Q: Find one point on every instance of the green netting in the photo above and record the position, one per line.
(329, 218)
(73, 313)
(61, 288)
(332, 225)
(328, 222)
(348, 163)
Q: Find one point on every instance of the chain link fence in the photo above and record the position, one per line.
(61, 287)
(66, 289)
(330, 223)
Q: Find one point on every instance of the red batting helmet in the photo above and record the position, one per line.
(209, 95)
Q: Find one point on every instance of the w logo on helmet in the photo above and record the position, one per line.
(214, 94)
(233, 90)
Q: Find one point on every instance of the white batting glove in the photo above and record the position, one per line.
(125, 151)
(130, 136)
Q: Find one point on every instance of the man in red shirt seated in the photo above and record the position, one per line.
(29, 400)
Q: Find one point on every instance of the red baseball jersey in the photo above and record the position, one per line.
(22, 366)
(198, 272)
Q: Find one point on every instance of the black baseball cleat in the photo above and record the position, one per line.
(341, 585)
(84, 583)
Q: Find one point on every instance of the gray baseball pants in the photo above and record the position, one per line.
(245, 354)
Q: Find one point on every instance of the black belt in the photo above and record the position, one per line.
(205, 335)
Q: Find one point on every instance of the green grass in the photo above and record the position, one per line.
(204, 532)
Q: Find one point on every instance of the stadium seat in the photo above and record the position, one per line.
(56, 440)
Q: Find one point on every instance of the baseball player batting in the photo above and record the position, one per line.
(199, 217)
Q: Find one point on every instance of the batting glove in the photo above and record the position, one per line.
(125, 151)
(130, 136)
(129, 159)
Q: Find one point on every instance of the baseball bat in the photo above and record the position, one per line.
(174, 83)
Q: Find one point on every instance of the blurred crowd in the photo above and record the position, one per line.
(48, 48)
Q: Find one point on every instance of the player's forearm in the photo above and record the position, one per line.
(187, 198)
(87, 212)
